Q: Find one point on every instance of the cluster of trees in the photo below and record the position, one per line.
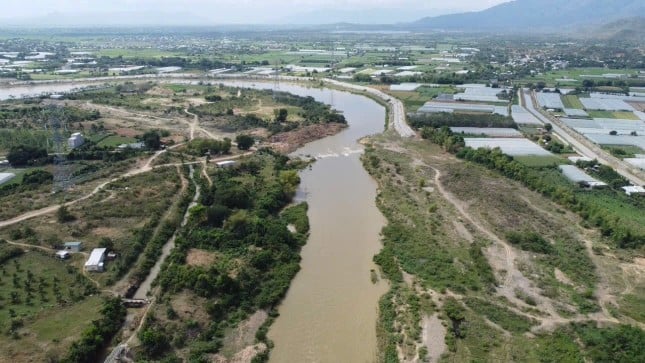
(90, 151)
(200, 146)
(450, 141)
(440, 119)
(37, 113)
(313, 112)
(240, 218)
(27, 155)
(93, 340)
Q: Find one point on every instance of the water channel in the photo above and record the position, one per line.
(330, 311)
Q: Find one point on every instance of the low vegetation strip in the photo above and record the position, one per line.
(500, 315)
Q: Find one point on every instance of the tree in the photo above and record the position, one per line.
(548, 127)
(244, 142)
(152, 140)
(106, 242)
(63, 215)
(281, 114)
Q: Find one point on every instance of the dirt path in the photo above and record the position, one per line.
(513, 277)
(205, 173)
(195, 126)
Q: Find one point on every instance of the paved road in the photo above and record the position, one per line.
(397, 111)
(583, 145)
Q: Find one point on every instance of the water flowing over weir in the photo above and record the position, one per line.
(330, 311)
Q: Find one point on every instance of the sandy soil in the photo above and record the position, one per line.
(434, 334)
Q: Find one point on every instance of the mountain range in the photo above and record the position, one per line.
(551, 16)
(531, 15)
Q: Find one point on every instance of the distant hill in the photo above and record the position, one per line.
(629, 29)
(532, 15)
(367, 15)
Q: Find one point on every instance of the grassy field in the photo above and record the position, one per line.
(624, 151)
(136, 53)
(413, 100)
(625, 115)
(45, 304)
(572, 101)
(553, 78)
(540, 161)
(115, 140)
(610, 114)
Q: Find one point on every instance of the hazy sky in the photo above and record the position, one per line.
(232, 11)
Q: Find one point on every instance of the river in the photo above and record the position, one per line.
(330, 311)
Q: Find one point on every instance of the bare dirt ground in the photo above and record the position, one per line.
(197, 257)
(239, 344)
(287, 142)
(434, 334)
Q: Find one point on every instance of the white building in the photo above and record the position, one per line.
(629, 190)
(75, 140)
(95, 262)
(225, 164)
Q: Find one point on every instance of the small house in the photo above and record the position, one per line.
(225, 164)
(73, 246)
(75, 140)
(63, 255)
(95, 263)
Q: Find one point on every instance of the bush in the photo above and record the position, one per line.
(244, 142)
(530, 241)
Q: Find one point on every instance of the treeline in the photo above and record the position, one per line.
(95, 338)
(27, 155)
(8, 251)
(90, 151)
(199, 147)
(239, 219)
(617, 222)
(440, 119)
(168, 227)
(43, 113)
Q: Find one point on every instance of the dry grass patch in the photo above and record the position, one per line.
(197, 257)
